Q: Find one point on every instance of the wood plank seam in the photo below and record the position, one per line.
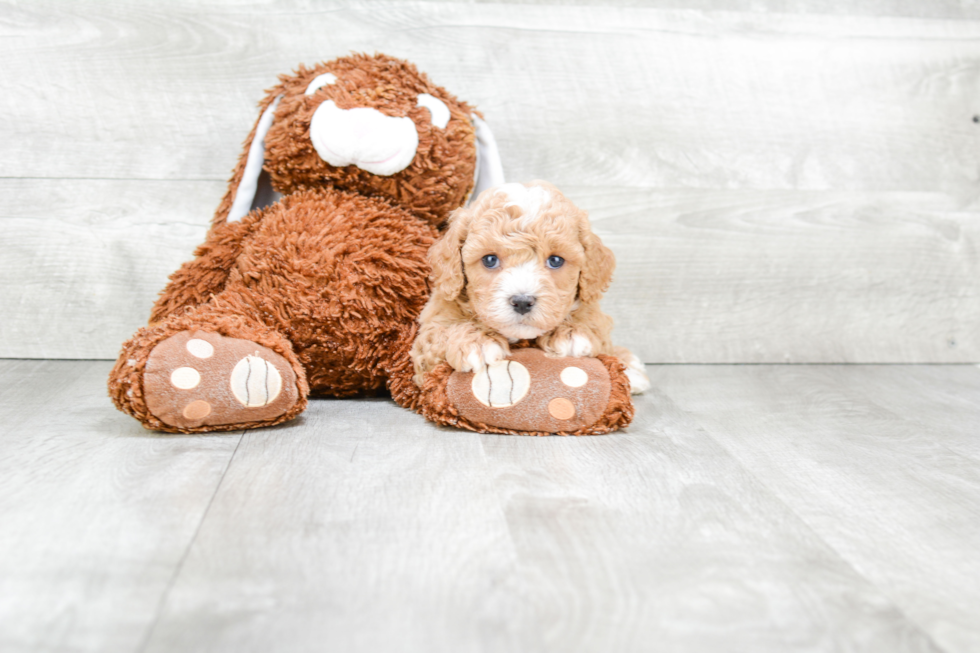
(809, 527)
(895, 601)
(183, 558)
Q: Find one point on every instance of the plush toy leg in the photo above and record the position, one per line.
(531, 394)
(198, 280)
(208, 371)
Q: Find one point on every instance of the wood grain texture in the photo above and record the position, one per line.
(783, 181)
(361, 527)
(941, 401)
(82, 261)
(960, 9)
(791, 277)
(576, 94)
(719, 276)
(658, 538)
(756, 508)
(96, 513)
(365, 529)
(883, 487)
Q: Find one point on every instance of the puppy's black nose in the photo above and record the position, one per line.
(522, 303)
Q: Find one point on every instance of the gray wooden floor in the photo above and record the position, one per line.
(749, 508)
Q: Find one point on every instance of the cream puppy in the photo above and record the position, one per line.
(520, 263)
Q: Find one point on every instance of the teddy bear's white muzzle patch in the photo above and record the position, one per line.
(364, 137)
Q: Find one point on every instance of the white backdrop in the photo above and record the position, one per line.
(779, 185)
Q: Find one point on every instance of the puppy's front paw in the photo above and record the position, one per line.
(569, 343)
(475, 356)
(637, 374)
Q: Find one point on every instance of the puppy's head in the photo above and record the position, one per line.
(520, 257)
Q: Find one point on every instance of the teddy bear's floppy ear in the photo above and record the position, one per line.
(250, 187)
(489, 170)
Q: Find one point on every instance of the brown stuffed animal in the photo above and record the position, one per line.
(530, 394)
(314, 271)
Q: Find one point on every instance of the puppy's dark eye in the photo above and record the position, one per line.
(490, 261)
(555, 262)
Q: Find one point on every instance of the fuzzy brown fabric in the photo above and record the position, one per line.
(215, 375)
(126, 379)
(436, 405)
(526, 393)
(439, 178)
(332, 277)
(330, 280)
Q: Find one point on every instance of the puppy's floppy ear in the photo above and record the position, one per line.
(446, 256)
(249, 187)
(599, 264)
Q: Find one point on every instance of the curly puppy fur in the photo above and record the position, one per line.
(480, 305)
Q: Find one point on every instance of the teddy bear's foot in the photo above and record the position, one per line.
(196, 379)
(529, 393)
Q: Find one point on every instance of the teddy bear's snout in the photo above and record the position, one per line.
(365, 137)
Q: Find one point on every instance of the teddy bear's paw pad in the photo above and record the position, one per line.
(196, 378)
(532, 393)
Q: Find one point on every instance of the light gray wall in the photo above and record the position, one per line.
(783, 181)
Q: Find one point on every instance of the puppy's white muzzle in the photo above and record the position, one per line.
(524, 282)
(367, 138)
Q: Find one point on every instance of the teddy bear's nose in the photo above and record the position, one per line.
(364, 137)
(522, 303)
